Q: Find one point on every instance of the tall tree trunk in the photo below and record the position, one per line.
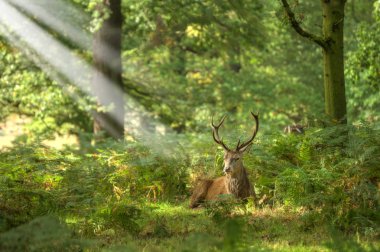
(107, 81)
(335, 95)
(332, 46)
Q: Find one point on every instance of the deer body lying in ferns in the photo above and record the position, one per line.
(235, 181)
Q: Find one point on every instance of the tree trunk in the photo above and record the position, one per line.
(332, 46)
(335, 95)
(107, 81)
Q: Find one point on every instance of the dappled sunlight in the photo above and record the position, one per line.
(174, 209)
(105, 137)
(11, 128)
(59, 61)
(62, 141)
(15, 127)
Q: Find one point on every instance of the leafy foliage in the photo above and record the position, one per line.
(27, 90)
(184, 62)
(41, 234)
(327, 176)
(363, 74)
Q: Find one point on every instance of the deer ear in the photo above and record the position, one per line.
(246, 148)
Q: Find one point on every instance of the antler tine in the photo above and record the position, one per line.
(245, 144)
(215, 133)
(237, 146)
(220, 123)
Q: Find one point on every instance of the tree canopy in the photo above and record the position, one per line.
(105, 112)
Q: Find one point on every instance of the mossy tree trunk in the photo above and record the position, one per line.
(107, 84)
(335, 95)
(332, 45)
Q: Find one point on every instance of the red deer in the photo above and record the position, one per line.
(236, 180)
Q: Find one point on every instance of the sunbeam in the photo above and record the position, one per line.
(54, 15)
(51, 54)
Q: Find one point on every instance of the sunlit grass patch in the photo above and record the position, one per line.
(173, 220)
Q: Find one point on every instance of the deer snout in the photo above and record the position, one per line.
(227, 169)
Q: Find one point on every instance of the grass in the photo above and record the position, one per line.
(165, 226)
(68, 200)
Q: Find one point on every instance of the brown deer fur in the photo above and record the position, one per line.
(210, 189)
(235, 181)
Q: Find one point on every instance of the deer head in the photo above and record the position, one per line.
(233, 158)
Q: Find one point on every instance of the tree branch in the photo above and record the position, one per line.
(129, 84)
(297, 27)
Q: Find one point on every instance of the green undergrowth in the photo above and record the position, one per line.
(316, 192)
(171, 227)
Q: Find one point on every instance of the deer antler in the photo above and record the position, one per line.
(215, 133)
(245, 144)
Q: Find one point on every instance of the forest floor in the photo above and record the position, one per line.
(175, 227)
(12, 127)
(16, 125)
(80, 201)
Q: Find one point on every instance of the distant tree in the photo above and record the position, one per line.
(331, 42)
(107, 61)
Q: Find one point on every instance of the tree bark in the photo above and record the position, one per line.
(335, 94)
(107, 81)
(332, 45)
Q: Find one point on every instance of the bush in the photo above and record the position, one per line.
(41, 234)
(334, 171)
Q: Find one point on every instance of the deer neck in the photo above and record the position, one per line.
(238, 183)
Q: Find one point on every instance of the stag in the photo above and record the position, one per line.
(235, 181)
